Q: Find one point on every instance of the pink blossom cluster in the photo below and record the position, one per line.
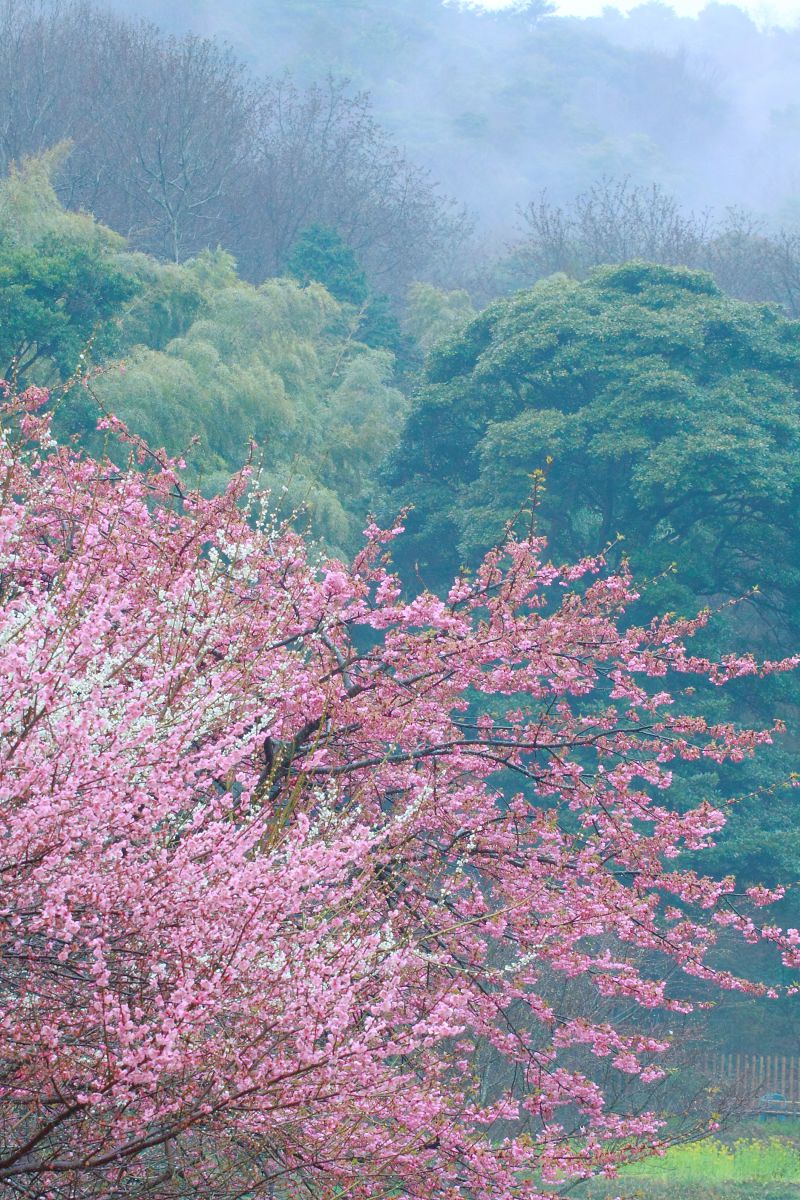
(267, 912)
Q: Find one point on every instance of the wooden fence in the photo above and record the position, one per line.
(764, 1084)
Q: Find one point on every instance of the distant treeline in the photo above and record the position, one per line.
(616, 221)
(178, 147)
(502, 104)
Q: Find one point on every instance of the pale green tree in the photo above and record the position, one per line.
(279, 369)
(433, 313)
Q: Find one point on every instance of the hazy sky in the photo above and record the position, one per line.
(765, 12)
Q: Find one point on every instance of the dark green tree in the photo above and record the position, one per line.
(671, 414)
(63, 282)
(322, 255)
(57, 298)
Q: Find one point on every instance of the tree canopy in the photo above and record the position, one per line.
(322, 255)
(62, 287)
(671, 414)
(280, 366)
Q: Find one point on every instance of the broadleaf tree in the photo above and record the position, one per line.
(659, 408)
(664, 417)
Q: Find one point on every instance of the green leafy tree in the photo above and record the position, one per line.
(276, 365)
(56, 299)
(62, 285)
(171, 296)
(671, 414)
(433, 313)
(321, 254)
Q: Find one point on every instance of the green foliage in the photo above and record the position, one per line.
(433, 314)
(306, 378)
(644, 403)
(277, 366)
(670, 413)
(171, 297)
(380, 328)
(30, 208)
(55, 299)
(322, 255)
(62, 286)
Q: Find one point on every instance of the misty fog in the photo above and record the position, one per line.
(503, 105)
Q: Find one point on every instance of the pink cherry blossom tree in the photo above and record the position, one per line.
(268, 895)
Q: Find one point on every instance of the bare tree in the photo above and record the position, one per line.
(616, 221)
(173, 143)
(785, 260)
(177, 147)
(42, 100)
(741, 256)
(158, 125)
(320, 158)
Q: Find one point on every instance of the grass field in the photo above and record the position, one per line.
(650, 1190)
(761, 1163)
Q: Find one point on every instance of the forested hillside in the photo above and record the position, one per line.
(500, 105)
(201, 362)
(399, 592)
(175, 146)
